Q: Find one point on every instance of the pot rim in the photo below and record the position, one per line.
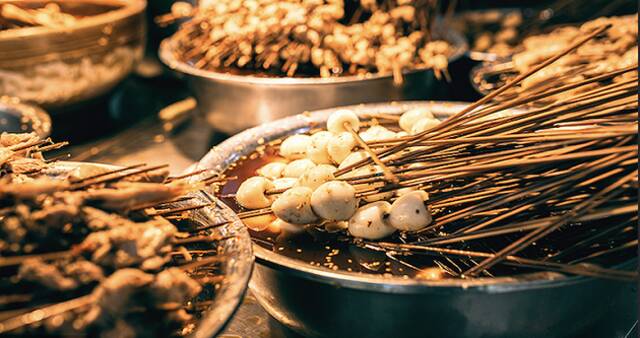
(168, 58)
(229, 151)
(127, 8)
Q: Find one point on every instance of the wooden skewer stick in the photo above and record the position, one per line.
(44, 313)
(110, 172)
(597, 199)
(388, 174)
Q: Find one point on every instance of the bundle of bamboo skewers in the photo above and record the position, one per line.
(310, 38)
(549, 188)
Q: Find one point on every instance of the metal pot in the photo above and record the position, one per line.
(234, 102)
(61, 67)
(319, 302)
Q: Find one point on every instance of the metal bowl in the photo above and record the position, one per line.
(60, 67)
(235, 102)
(18, 117)
(236, 267)
(319, 302)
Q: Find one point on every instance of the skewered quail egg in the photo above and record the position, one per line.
(424, 124)
(340, 146)
(317, 176)
(369, 221)
(336, 121)
(294, 206)
(272, 170)
(409, 212)
(251, 193)
(295, 147)
(412, 116)
(317, 149)
(297, 168)
(334, 201)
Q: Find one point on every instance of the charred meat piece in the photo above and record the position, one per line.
(130, 245)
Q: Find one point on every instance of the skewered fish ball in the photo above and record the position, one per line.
(340, 146)
(297, 168)
(334, 201)
(409, 118)
(336, 121)
(279, 225)
(353, 158)
(369, 221)
(258, 223)
(317, 176)
(284, 183)
(424, 124)
(251, 193)
(295, 147)
(272, 170)
(409, 212)
(377, 133)
(294, 206)
(317, 149)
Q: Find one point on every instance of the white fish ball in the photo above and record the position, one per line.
(409, 212)
(377, 133)
(340, 146)
(295, 147)
(279, 224)
(251, 193)
(294, 206)
(424, 124)
(272, 170)
(297, 168)
(317, 148)
(353, 158)
(284, 183)
(334, 201)
(258, 223)
(369, 221)
(337, 119)
(409, 118)
(335, 226)
(317, 176)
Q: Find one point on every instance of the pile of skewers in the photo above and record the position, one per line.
(91, 250)
(551, 188)
(617, 48)
(50, 15)
(310, 38)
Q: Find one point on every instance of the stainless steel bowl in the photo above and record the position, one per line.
(60, 67)
(236, 265)
(19, 117)
(319, 302)
(234, 102)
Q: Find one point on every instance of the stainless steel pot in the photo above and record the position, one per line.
(61, 67)
(318, 302)
(233, 102)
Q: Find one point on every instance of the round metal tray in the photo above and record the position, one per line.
(319, 302)
(236, 267)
